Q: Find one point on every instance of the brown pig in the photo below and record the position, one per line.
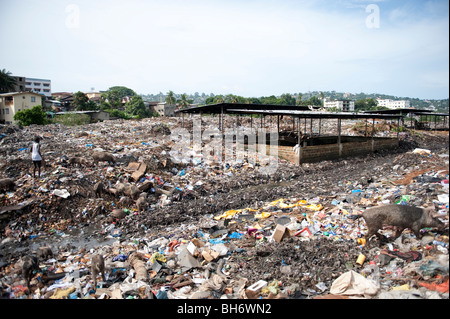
(141, 203)
(80, 161)
(7, 184)
(103, 157)
(401, 216)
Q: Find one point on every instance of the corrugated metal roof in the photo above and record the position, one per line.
(288, 110)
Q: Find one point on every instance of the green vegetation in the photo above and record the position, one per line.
(112, 99)
(7, 82)
(170, 99)
(72, 119)
(136, 107)
(115, 113)
(305, 98)
(35, 115)
(81, 102)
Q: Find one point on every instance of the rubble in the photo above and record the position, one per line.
(193, 228)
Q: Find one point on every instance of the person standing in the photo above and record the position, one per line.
(36, 156)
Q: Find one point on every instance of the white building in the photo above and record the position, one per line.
(394, 104)
(343, 105)
(40, 86)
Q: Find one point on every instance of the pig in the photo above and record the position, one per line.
(30, 264)
(7, 184)
(118, 213)
(44, 253)
(125, 201)
(141, 203)
(103, 157)
(80, 161)
(97, 266)
(401, 216)
(120, 188)
(131, 191)
(98, 189)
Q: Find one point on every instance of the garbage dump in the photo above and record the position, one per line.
(115, 215)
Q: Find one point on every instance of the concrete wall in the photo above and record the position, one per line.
(311, 154)
(317, 153)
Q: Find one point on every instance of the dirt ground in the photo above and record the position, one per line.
(186, 204)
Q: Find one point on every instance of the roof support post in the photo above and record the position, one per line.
(373, 135)
(365, 132)
(299, 140)
(373, 127)
(278, 124)
(320, 125)
(339, 137)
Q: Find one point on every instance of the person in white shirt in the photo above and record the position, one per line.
(36, 156)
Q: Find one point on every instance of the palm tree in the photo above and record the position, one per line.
(299, 99)
(183, 102)
(219, 99)
(321, 95)
(170, 99)
(7, 82)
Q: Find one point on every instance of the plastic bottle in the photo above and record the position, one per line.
(372, 272)
(440, 243)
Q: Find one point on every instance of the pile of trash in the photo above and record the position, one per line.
(193, 229)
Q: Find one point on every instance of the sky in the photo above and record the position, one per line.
(251, 48)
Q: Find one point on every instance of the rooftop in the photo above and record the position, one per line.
(289, 110)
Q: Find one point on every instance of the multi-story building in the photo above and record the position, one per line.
(163, 109)
(13, 102)
(20, 84)
(343, 105)
(40, 86)
(394, 104)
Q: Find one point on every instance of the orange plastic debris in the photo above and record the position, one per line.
(442, 288)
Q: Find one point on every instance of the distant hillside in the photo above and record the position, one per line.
(200, 98)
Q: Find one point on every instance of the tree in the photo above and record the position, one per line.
(366, 105)
(299, 99)
(112, 99)
(114, 95)
(7, 82)
(314, 100)
(122, 91)
(219, 99)
(372, 104)
(183, 101)
(80, 101)
(170, 99)
(35, 115)
(287, 99)
(136, 107)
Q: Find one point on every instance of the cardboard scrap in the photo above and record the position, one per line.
(281, 232)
